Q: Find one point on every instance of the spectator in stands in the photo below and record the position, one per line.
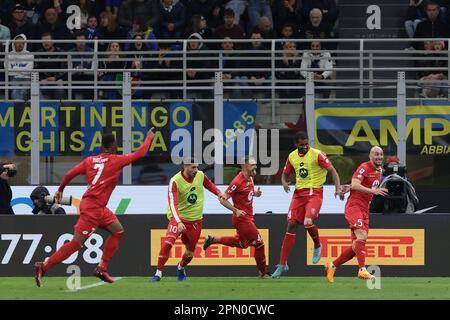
(109, 29)
(415, 15)
(317, 28)
(113, 6)
(52, 24)
(51, 57)
(210, 9)
(327, 7)
(20, 23)
(33, 10)
(197, 49)
(144, 10)
(238, 7)
(138, 55)
(6, 8)
(287, 11)
(287, 33)
(19, 63)
(92, 30)
(109, 64)
(229, 29)
(315, 58)
(432, 26)
(257, 77)
(5, 34)
(256, 10)
(199, 25)
(173, 19)
(167, 59)
(149, 34)
(82, 58)
(265, 28)
(435, 58)
(230, 60)
(290, 59)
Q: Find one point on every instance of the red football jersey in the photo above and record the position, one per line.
(241, 191)
(370, 178)
(102, 173)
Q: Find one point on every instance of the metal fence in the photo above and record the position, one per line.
(360, 74)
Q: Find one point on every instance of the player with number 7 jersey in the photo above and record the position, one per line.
(102, 174)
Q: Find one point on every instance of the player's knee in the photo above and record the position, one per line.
(308, 223)
(189, 254)
(292, 226)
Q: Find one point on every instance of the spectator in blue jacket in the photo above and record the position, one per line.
(173, 18)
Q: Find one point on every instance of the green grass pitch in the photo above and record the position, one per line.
(223, 288)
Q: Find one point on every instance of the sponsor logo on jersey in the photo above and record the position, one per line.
(192, 198)
(383, 246)
(303, 173)
(215, 255)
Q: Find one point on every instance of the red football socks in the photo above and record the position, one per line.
(260, 258)
(111, 245)
(314, 234)
(345, 256)
(288, 243)
(164, 252)
(227, 241)
(360, 250)
(185, 260)
(62, 254)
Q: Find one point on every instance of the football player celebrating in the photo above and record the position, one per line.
(311, 167)
(102, 173)
(185, 214)
(364, 186)
(242, 191)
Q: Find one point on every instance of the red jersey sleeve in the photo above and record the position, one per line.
(173, 200)
(210, 186)
(126, 159)
(288, 168)
(234, 186)
(360, 173)
(76, 171)
(323, 161)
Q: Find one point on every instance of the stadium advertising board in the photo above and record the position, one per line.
(148, 200)
(349, 129)
(401, 245)
(215, 255)
(76, 128)
(383, 247)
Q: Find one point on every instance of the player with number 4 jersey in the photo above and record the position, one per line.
(102, 174)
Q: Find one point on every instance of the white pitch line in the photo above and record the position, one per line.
(97, 284)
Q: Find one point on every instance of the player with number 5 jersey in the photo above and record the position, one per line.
(365, 184)
(102, 174)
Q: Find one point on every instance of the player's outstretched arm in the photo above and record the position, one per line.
(76, 171)
(357, 186)
(211, 187)
(141, 151)
(337, 182)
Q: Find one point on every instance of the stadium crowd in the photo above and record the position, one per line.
(139, 20)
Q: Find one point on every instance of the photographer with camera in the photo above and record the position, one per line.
(7, 170)
(44, 203)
